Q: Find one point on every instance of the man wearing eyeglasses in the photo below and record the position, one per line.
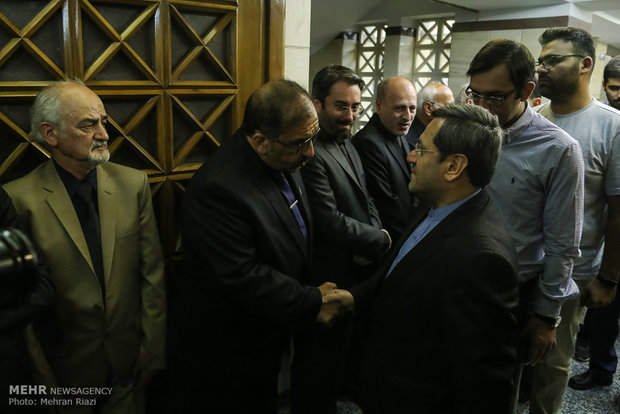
(247, 240)
(538, 187)
(349, 239)
(383, 149)
(565, 68)
(432, 96)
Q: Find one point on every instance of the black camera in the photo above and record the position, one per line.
(17, 254)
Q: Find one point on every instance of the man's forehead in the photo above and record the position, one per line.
(303, 129)
(557, 46)
(495, 79)
(431, 131)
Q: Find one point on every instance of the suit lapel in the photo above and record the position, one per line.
(397, 153)
(107, 219)
(61, 205)
(268, 187)
(432, 244)
(333, 149)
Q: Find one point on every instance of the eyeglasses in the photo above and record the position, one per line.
(355, 108)
(550, 61)
(494, 100)
(419, 150)
(299, 145)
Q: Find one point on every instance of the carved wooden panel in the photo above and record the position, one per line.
(173, 75)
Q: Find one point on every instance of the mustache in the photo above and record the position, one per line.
(98, 144)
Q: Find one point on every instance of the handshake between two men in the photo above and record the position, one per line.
(336, 302)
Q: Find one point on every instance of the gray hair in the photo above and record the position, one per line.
(474, 132)
(428, 92)
(47, 108)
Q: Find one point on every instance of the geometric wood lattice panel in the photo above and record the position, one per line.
(432, 52)
(371, 55)
(166, 71)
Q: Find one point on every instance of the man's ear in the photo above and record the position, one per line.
(428, 108)
(378, 105)
(49, 133)
(259, 142)
(456, 164)
(527, 91)
(586, 65)
(318, 106)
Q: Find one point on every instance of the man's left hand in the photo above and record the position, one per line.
(596, 293)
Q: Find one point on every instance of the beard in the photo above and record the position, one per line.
(334, 127)
(559, 89)
(98, 157)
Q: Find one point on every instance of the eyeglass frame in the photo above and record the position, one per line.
(301, 146)
(420, 151)
(541, 62)
(341, 107)
(493, 100)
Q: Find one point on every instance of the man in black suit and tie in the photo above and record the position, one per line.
(348, 239)
(383, 149)
(442, 336)
(247, 237)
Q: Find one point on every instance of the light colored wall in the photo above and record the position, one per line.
(338, 51)
(297, 41)
(398, 56)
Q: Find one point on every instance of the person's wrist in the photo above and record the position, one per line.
(553, 322)
(608, 283)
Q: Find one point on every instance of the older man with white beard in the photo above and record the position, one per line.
(94, 223)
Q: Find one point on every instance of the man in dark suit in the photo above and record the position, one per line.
(247, 241)
(383, 149)
(449, 289)
(348, 239)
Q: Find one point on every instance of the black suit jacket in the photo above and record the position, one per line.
(387, 175)
(442, 337)
(415, 131)
(243, 258)
(346, 220)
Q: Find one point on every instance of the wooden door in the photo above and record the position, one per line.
(174, 77)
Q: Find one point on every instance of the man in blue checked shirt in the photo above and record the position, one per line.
(538, 188)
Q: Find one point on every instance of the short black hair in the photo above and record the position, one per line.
(516, 56)
(580, 39)
(326, 77)
(474, 132)
(612, 69)
(275, 107)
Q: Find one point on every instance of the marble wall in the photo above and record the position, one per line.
(297, 41)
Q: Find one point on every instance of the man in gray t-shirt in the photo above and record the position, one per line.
(564, 69)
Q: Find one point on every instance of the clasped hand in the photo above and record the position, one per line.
(336, 302)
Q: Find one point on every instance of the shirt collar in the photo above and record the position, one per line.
(513, 132)
(441, 213)
(71, 182)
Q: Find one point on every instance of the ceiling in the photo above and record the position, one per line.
(329, 18)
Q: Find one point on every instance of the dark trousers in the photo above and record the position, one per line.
(600, 327)
(228, 387)
(325, 366)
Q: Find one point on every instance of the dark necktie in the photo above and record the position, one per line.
(285, 188)
(91, 228)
